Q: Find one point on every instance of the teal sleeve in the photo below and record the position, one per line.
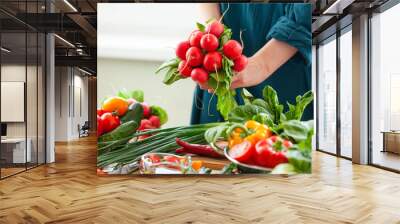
(294, 28)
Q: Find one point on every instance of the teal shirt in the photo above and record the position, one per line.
(288, 22)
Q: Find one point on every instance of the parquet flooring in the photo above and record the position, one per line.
(70, 192)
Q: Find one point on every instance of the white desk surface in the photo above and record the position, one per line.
(13, 140)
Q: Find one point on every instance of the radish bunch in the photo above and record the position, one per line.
(209, 55)
(204, 50)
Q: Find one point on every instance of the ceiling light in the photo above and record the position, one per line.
(5, 50)
(64, 40)
(70, 5)
(84, 71)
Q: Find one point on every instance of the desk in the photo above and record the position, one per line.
(13, 150)
(391, 141)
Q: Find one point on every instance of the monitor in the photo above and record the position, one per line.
(3, 129)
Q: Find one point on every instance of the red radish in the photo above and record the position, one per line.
(212, 61)
(194, 56)
(131, 101)
(155, 121)
(145, 124)
(199, 75)
(195, 38)
(240, 63)
(184, 69)
(209, 42)
(181, 49)
(232, 49)
(215, 28)
(146, 110)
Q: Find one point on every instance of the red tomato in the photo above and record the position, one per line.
(181, 49)
(209, 42)
(242, 152)
(194, 56)
(100, 128)
(212, 61)
(215, 28)
(240, 63)
(110, 122)
(232, 49)
(184, 68)
(195, 38)
(100, 112)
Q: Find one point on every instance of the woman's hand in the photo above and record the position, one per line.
(252, 75)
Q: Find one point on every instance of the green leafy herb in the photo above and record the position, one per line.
(215, 133)
(272, 104)
(173, 63)
(246, 96)
(301, 163)
(245, 112)
(138, 95)
(296, 111)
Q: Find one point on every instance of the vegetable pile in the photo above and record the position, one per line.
(208, 56)
(258, 133)
(123, 115)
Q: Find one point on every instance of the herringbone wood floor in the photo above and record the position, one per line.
(70, 192)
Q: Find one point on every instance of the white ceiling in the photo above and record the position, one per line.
(143, 31)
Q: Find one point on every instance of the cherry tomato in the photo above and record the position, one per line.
(242, 152)
(100, 112)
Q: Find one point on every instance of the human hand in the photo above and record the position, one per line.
(252, 75)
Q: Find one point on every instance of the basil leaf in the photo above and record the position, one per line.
(272, 104)
(246, 96)
(123, 94)
(200, 27)
(296, 111)
(245, 112)
(161, 113)
(138, 95)
(296, 130)
(172, 63)
(264, 118)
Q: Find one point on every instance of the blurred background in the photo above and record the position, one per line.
(134, 42)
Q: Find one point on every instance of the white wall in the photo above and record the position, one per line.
(115, 74)
(67, 114)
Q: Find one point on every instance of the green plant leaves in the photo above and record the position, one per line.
(214, 133)
(296, 111)
(273, 106)
(245, 112)
(173, 63)
(200, 27)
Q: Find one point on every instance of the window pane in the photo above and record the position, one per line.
(327, 97)
(385, 84)
(346, 94)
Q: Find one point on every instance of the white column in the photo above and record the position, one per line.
(360, 90)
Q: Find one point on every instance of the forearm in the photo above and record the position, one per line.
(272, 56)
(209, 10)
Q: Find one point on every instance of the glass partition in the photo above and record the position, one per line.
(385, 89)
(346, 93)
(327, 96)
